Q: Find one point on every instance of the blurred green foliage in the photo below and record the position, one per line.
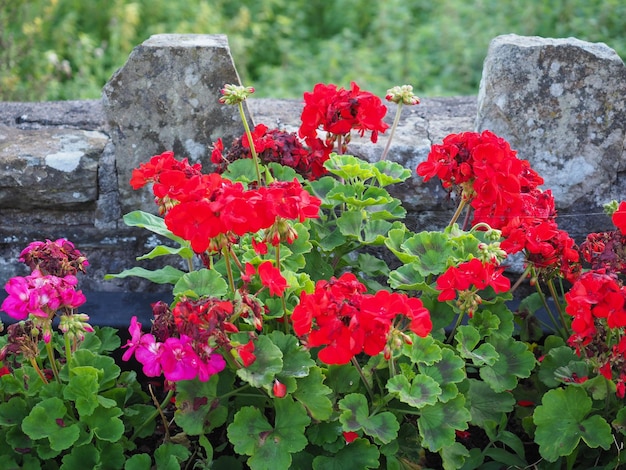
(68, 49)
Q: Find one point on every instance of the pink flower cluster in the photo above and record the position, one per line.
(41, 295)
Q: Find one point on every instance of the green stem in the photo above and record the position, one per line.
(229, 269)
(559, 307)
(370, 392)
(282, 297)
(521, 279)
(255, 157)
(68, 349)
(233, 392)
(547, 307)
(459, 319)
(33, 363)
(396, 120)
(458, 212)
(53, 364)
(158, 411)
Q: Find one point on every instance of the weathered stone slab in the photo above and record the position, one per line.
(561, 103)
(166, 98)
(49, 167)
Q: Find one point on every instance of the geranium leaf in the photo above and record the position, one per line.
(485, 404)
(105, 423)
(197, 411)
(514, 361)
(422, 390)
(322, 187)
(553, 360)
(349, 167)
(431, 251)
(375, 231)
(108, 370)
(12, 412)
(350, 223)
(407, 277)
(446, 372)
(423, 350)
(390, 210)
(48, 420)
(485, 322)
(163, 250)
(313, 394)
(383, 426)
(283, 172)
(170, 456)
(390, 172)
(355, 412)
(395, 240)
(372, 265)
(454, 456)
(269, 447)
(467, 337)
(82, 389)
(437, 423)
(243, 170)
(296, 360)
(202, 282)
(268, 363)
(85, 456)
(359, 454)
(152, 223)
(562, 421)
(164, 275)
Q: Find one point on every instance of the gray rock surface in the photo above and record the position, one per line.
(166, 98)
(49, 167)
(561, 103)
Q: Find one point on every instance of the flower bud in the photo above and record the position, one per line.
(279, 389)
(235, 94)
(402, 94)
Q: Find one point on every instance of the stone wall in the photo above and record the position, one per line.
(65, 166)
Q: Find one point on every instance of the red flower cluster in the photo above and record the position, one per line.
(340, 316)
(608, 249)
(201, 207)
(597, 301)
(272, 145)
(503, 192)
(338, 111)
(474, 273)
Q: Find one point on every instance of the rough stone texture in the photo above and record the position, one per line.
(49, 168)
(166, 98)
(561, 103)
(95, 223)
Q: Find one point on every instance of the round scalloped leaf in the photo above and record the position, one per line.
(421, 391)
(359, 454)
(487, 405)
(201, 283)
(437, 423)
(562, 422)
(47, 420)
(390, 172)
(268, 363)
(349, 167)
(514, 361)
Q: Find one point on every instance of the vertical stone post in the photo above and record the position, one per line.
(166, 98)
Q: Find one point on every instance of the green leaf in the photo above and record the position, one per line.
(313, 394)
(296, 360)
(372, 265)
(390, 172)
(431, 251)
(555, 358)
(514, 361)
(454, 456)
(105, 423)
(243, 170)
(269, 447)
(83, 389)
(446, 372)
(562, 421)
(170, 456)
(153, 223)
(201, 283)
(268, 363)
(360, 454)
(383, 426)
(163, 250)
(86, 456)
(108, 370)
(197, 409)
(467, 338)
(395, 241)
(422, 390)
(321, 187)
(423, 350)
(164, 275)
(13, 412)
(407, 277)
(343, 378)
(48, 420)
(283, 172)
(138, 462)
(349, 167)
(437, 423)
(487, 405)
